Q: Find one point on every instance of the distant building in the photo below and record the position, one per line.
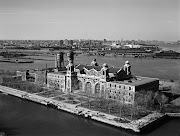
(66, 42)
(71, 42)
(133, 46)
(61, 42)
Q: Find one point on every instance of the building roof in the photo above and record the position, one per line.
(59, 72)
(137, 81)
(98, 68)
(176, 102)
(114, 70)
(81, 67)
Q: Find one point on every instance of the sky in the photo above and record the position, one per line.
(90, 19)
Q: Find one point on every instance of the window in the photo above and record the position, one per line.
(97, 89)
(110, 85)
(119, 86)
(114, 85)
(103, 73)
(129, 88)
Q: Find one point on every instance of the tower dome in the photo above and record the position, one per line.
(94, 63)
(127, 62)
(105, 65)
(127, 69)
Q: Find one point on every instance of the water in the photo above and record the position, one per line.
(175, 47)
(156, 68)
(24, 118)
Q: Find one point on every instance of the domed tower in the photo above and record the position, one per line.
(70, 56)
(60, 60)
(127, 69)
(94, 63)
(71, 75)
(105, 71)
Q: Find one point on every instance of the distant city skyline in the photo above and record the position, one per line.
(90, 19)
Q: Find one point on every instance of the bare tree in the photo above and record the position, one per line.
(161, 99)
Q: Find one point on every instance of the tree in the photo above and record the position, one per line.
(161, 99)
(108, 102)
(120, 107)
(134, 109)
(144, 99)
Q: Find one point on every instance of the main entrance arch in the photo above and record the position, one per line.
(88, 88)
(80, 85)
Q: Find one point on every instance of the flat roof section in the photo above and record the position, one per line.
(137, 81)
(59, 72)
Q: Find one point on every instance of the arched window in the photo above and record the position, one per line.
(97, 90)
(79, 85)
(88, 88)
(103, 72)
(102, 92)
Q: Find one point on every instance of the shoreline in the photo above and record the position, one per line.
(140, 55)
(135, 125)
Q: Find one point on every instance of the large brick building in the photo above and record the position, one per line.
(100, 81)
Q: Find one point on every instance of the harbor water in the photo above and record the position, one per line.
(23, 118)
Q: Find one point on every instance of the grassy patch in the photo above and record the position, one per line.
(71, 102)
(50, 94)
(59, 98)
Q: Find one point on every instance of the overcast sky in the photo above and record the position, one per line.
(90, 19)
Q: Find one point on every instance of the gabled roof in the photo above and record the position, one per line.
(80, 67)
(114, 70)
(98, 68)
